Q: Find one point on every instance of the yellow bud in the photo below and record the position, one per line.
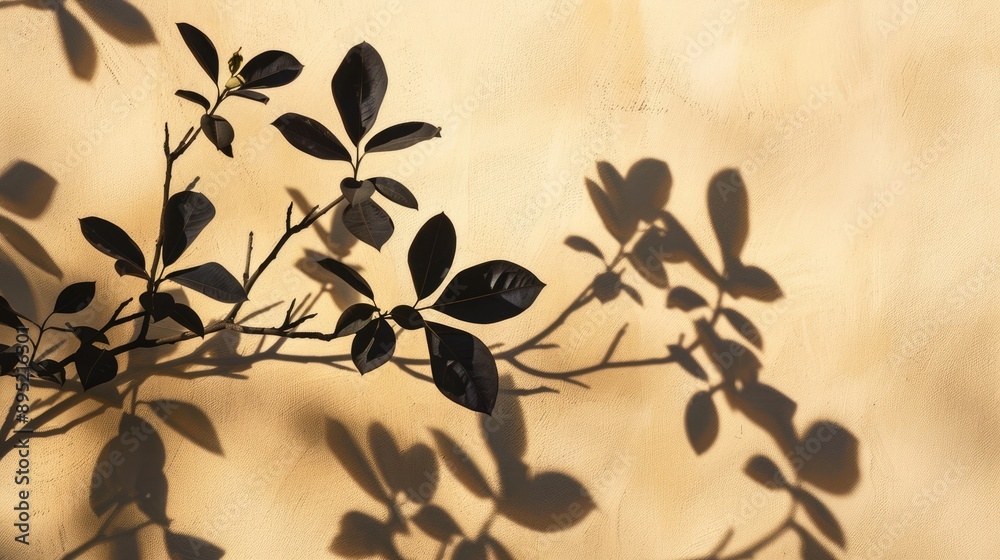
(235, 82)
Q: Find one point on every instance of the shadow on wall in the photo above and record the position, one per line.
(405, 484)
(118, 18)
(129, 487)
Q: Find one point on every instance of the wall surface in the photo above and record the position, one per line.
(864, 131)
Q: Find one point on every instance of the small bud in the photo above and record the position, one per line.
(235, 82)
(236, 61)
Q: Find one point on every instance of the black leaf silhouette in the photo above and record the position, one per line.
(75, 298)
(359, 85)
(489, 292)
(51, 370)
(354, 318)
(186, 215)
(202, 49)
(159, 305)
(126, 268)
(8, 316)
(311, 137)
(401, 136)
(112, 240)
(463, 367)
(369, 223)
(356, 192)
(194, 97)
(270, 69)
(373, 346)
(701, 421)
(219, 132)
(431, 255)
(349, 275)
(407, 317)
(187, 318)
(212, 280)
(95, 366)
(250, 94)
(394, 191)
(87, 335)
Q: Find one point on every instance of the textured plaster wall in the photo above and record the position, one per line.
(823, 105)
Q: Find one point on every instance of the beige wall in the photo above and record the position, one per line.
(823, 107)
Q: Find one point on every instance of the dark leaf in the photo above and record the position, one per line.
(359, 86)
(369, 223)
(647, 258)
(461, 465)
(834, 468)
(130, 468)
(190, 422)
(489, 292)
(727, 207)
(95, 366)
(219, 132)
(463, 367)
(186, 547)
(120, 19)
(394, 191)
(613, 222)
(607, 286)
(194, 97)
(270, 69)
(436, 522)
(28, 246)
(752, 282)
(126, 268)
(349, 275)
(311, 137)
(235, 62)
(701, 421)
(765, 472)
(678, 246)
(186, 215)
(212, 280)
(159, 306)
(51, 370)
(732, 359)
(356, 192)
(88, 335)
(407, 317)
(504, 431)
(373, 346)
(431, 255)
(744, 327)
(684, 358)
(499, 550)
(582, 245)
(550, 501)
(470, 550)
(8, 316)
(352, 459)
(202, 49)
(821, 517)
(811, 548)
(187, 318)
(685, 299)
(363, 536)
(401, 136)
(250, 94)
(9, 360)
(111, 240)
(355, 318)
(75, 298)
(770, 409)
